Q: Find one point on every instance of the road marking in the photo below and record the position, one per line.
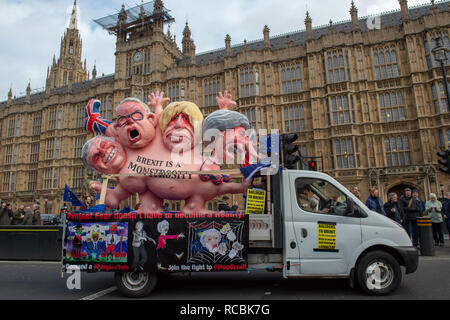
(100, 294)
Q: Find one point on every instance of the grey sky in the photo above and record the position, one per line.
(32, 29)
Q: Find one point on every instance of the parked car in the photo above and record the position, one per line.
(50, 219)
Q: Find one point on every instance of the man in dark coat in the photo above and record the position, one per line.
(5, 214)
(446, 211)
(36, 215)
(18, 215)
(224, 206)
(392, 209)
(411, 210)
(28, 219)
(420, 203)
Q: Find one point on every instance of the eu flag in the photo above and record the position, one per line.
(72, 197)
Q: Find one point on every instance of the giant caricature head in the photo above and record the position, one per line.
(135, 125)
(231, 126)
(181, 124)
(103, 154)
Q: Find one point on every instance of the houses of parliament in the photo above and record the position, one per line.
(365, 97)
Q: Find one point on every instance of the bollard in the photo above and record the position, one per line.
(425, 236)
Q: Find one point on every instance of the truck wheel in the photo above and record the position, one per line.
(135, 284)
(378, 273)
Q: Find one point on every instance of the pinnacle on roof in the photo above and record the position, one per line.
(73, 19)
(308, 18)
(353, 7)
(187, 31)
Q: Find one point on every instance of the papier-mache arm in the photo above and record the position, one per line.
(157, 101)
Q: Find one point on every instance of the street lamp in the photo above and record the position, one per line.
(440, 55)
(45, 204)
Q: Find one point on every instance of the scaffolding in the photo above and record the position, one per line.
(138, 15)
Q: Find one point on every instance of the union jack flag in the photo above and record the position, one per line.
(94, 122)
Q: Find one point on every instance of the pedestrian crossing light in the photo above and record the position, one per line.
(290, 151)
(312, 165)
(445, 161)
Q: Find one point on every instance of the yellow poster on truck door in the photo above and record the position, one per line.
(326, 237)
(256, 201)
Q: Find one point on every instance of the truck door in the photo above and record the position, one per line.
(326, 234)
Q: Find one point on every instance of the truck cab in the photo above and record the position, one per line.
(328, 232)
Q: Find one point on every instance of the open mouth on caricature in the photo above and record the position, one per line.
(134, 135)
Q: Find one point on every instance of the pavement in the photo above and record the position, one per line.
(441, 251)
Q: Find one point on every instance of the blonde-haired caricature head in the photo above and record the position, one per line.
(181, 124)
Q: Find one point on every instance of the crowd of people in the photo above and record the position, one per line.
(22, 216)
(406, 208)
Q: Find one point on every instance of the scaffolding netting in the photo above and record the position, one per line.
(134, 14)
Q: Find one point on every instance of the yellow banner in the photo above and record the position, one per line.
(256, 201)
(326, 236)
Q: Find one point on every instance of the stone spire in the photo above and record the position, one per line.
(188, 46)
(266, 32)
(228, 45)
(10, 94)
(28, 98)
(94, 74)
(122, 14)
(404, 10)
(308, 25)
(158, 24)
(73, 19)
(354, 15)
(158, 6)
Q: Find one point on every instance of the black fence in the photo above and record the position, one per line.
(32, 243)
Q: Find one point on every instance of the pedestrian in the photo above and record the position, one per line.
(5, 214)
(36, 215)
(87, 203)
(446, 211)
(411, 211)
(421, 204)
(18, 216)
(392, 209)
(224, 206)
(433, 209)
(28, 219)
(374, 203)
(355, 190)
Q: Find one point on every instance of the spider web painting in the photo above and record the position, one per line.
(227, 248)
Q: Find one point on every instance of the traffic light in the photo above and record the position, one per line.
(445, 161)
(290, 158)
(312, 165)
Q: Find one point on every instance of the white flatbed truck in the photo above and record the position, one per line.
(316, 228)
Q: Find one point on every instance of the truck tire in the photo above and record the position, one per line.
(378, 273)
(135, 284)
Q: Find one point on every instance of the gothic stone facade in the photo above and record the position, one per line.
(369, 101)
